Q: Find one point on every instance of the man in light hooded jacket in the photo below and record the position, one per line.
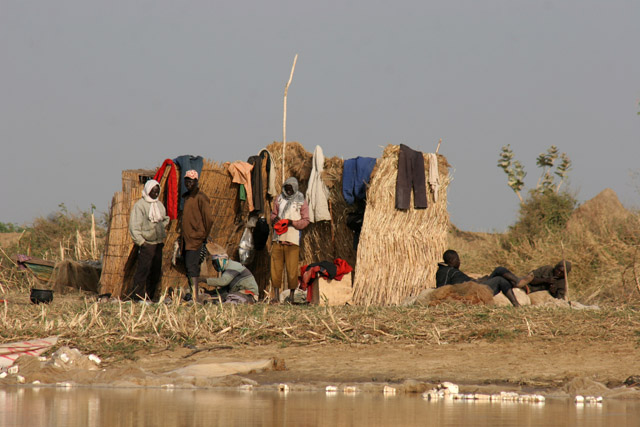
(289, 216)
(147, 225)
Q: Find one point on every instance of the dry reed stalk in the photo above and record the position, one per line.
(94, 244)
(399, 250)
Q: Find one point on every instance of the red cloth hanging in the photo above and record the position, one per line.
(172, 187)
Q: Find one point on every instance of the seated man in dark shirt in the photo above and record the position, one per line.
(500, 280)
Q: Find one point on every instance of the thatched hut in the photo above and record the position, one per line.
(412, 238)
(399, 250)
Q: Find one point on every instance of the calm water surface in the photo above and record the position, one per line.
(93, 407)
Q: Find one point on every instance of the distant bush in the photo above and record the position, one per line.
(7, 227)
(63, 232)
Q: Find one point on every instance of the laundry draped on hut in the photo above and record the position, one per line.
(356, 174)
(317, 192)
(434, 177)
(271, 173)
(411, 176)
(172, 187)
(250, 179)
(241, 173)
(329, 270)
(257, 184)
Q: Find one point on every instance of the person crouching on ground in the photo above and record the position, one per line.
(500, 280)
(236, 284)
(290, 214)
(147, 224)
(197, 220)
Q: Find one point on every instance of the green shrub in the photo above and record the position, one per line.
(542, 214)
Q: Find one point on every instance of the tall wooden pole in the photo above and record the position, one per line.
(284, 117)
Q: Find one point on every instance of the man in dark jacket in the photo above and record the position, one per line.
(500, 280)
(197, 220)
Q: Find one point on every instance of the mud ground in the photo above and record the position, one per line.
(532, 365)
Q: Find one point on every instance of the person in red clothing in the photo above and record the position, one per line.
(197, 220)
(290, 214)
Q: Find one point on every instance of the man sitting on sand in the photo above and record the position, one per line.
(500, 280)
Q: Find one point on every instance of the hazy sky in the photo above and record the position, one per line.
(89, 88)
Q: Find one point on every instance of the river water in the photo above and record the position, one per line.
(92, 407)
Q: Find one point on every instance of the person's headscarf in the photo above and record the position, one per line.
(219, 256)
(154, 209)
(296, 197)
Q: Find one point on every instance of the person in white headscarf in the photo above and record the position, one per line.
(147, 227)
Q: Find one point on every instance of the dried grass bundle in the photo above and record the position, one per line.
(399, 250)
(466, 293)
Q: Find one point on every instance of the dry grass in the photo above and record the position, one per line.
(604, 252)
(120, 330)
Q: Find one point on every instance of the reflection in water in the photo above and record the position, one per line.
(94, 407)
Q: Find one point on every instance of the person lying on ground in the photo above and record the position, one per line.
(500, 280)
(147, 224)
(550, 278)
(235, 284)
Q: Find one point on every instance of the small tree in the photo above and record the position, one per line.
(546, 161)
(514, 170)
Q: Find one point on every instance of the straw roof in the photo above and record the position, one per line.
(399, 250)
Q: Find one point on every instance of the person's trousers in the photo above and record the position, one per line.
(149, 271)
(498, 284)
(192, 263)
(284, 256)
(410, 176)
